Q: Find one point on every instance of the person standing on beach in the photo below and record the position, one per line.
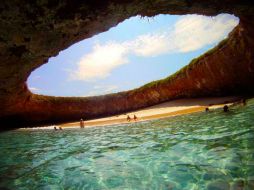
(128, 118)
(135, 118)
(82, 124)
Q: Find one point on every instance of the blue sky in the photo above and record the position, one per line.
(137, 51)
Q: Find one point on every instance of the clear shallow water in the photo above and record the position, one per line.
(199, 151)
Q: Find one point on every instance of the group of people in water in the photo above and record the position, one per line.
(226, 108)
(82, 125)
(59, 128)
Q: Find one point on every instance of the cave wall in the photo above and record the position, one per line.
(32, 32)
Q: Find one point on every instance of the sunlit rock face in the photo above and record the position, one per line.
(30, 33)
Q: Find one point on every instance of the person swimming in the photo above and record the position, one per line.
(225, 108)
(243, 101)
(55, 128)
(82, 124)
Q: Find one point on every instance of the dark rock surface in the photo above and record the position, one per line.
(33, 31)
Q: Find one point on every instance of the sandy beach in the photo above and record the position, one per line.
(167, 109)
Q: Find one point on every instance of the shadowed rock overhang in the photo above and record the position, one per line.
(34, 31)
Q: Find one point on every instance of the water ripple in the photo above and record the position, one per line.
(197, 151)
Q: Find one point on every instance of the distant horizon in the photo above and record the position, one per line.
(130, 55)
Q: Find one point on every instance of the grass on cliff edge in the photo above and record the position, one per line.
(182, 72)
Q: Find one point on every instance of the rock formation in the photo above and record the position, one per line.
(32, 32)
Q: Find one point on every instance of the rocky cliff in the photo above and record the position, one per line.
(32, 32)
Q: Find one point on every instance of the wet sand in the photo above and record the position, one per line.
(167, 109)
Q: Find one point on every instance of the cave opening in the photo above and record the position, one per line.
(134, 53)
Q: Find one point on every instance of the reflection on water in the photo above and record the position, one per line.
(199, 151)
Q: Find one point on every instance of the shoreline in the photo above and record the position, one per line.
(163, 110)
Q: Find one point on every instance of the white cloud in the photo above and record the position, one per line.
(194, 31)
(190, 33)
(99, 63)
(102, 89)
(34, 90)
(150, 45)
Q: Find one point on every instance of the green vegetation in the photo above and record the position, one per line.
(184, 70)
(56, 99)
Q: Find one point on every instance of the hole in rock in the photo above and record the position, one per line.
(135, 52)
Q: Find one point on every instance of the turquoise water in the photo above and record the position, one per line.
(198, 151)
